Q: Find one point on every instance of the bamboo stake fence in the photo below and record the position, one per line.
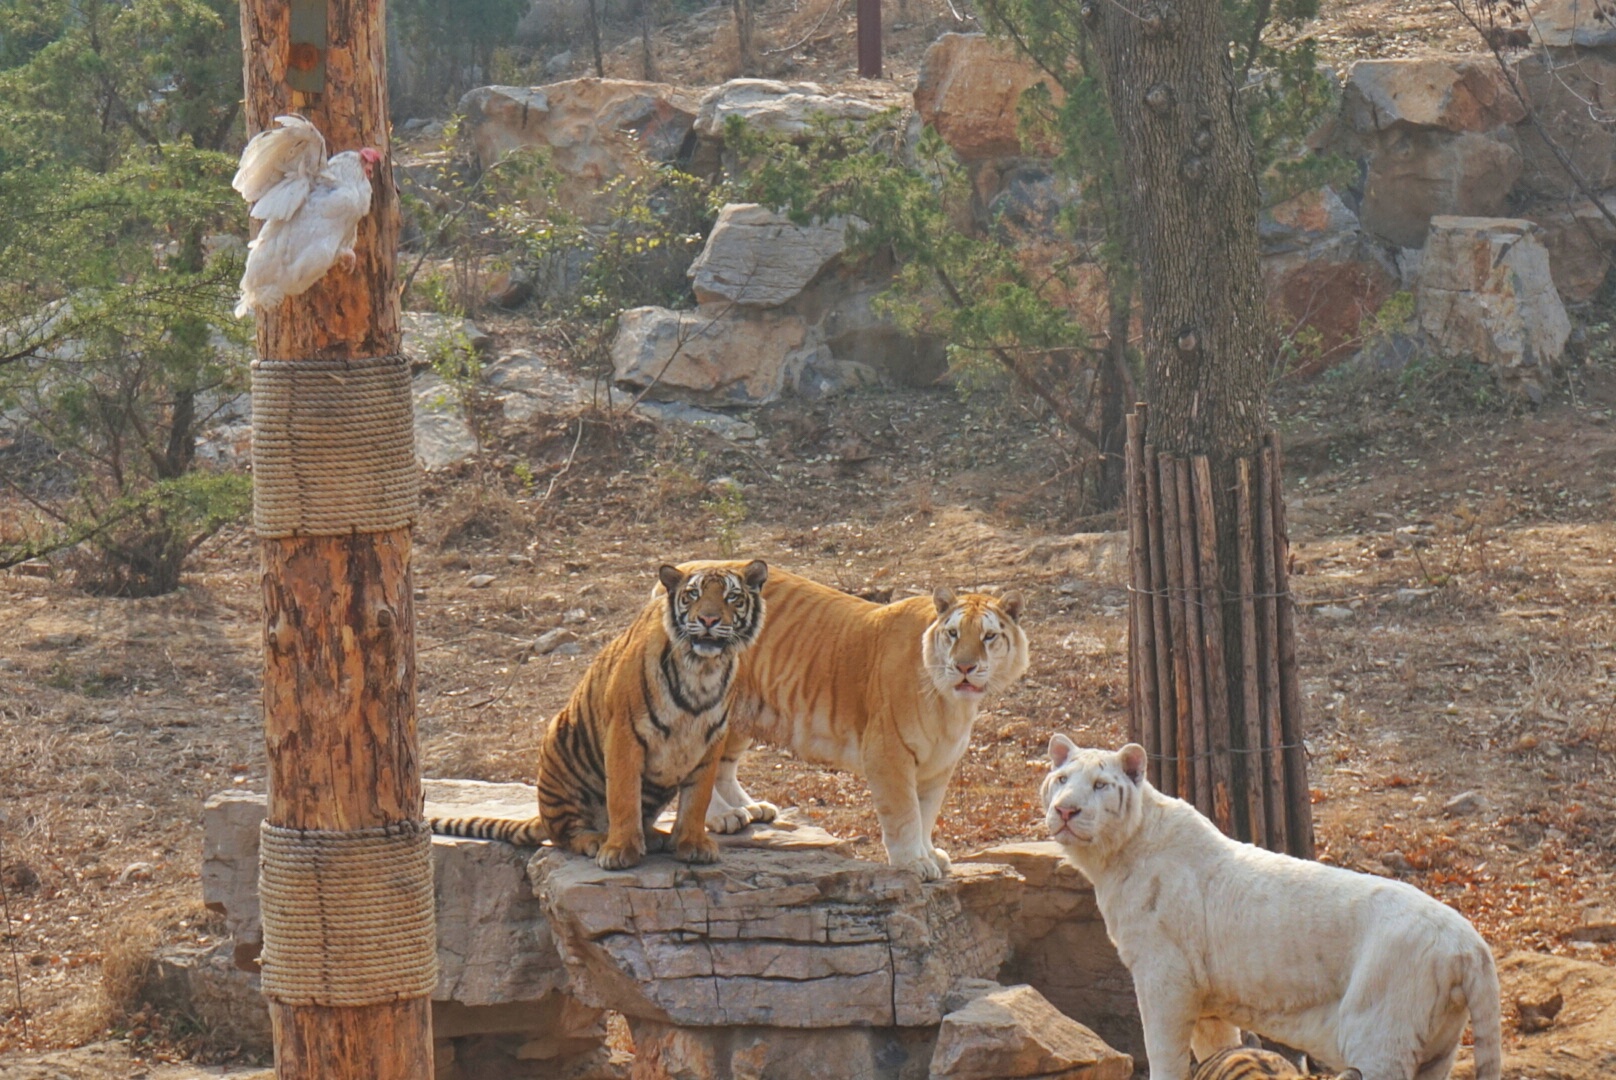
(1233, 751)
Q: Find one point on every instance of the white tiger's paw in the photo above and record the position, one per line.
(924, 865)
(763, 812)
(728, 819)
(944, 863)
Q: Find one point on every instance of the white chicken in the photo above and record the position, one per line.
(310, 207)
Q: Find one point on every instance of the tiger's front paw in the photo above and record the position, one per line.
(944, 863)
(763, 812)
(586, 843)
(701, 850)
(621, 854)
(656, 841)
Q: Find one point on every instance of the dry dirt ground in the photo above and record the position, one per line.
(1455, 568)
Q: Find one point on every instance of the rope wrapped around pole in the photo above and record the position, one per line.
(333, 447)
(348, 916)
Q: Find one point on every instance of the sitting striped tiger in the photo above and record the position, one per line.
(1247, 1063)
(886, 691)
(647, 721)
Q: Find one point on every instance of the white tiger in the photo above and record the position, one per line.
(1354, 970)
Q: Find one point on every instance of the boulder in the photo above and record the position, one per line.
(1415, 174)
(1580, 241)
(1013, 1031)
(494, 945)
(1565, 24)
(727, 356)
(759, 258)
(842, 314)
(779, 108)
(969, 89)
(1303, 220)
(1485, 292)
(818, 940)
(524, 384)
(443, 437)
(1321, 275)
(424, 335)
(1449, 93)
(203, 984)
(665, 1052)
(1573, 95)
(1059, 946)
(594, 130)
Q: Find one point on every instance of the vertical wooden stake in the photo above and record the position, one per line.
(1183, 710)
(1167, 709)
(1273, 700)
(869, 39)
(339, 624)
(1250, 773)
(1217, 680)
(1300, 824)
(1191, 601)
(1142, 655)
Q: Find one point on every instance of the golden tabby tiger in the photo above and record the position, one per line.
(889, 692)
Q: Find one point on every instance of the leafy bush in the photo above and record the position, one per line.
(116, 344)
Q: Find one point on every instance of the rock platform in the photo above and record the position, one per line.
(786, 958)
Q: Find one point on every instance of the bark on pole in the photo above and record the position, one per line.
(339, 625)
(869, 39)
(1181, 128)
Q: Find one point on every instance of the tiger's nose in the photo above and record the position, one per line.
(965, 669)
(709, 621)
(1067, 813)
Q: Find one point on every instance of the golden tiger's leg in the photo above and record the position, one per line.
(625, 768)
(690, 840)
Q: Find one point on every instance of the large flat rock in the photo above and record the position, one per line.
(494, 943)
(1060, 947)
(818, 940)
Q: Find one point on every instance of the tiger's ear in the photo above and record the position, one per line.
(943, 597)
(1011, 606)
(755, 574)
(1060, 749)
(1132, 760)
(670, 577)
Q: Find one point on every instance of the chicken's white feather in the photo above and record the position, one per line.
(310, 207)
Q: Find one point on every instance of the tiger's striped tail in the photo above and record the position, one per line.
(523, 832)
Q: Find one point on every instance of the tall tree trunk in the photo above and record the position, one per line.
(1171, 88)
(648, 70)
(339, 626)
(593, 8)
(743, 35)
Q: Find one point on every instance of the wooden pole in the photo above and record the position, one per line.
(1273, 700)
(1217, 682)
(339, 625)
(1300, 824)
(1161, 631)
(1142, 655)
(1183, 711)
(1191, 602)
(1250, 774)
(869, 39)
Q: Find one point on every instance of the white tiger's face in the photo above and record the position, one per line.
(715, 609)
(1090, 796)
(975, 645)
